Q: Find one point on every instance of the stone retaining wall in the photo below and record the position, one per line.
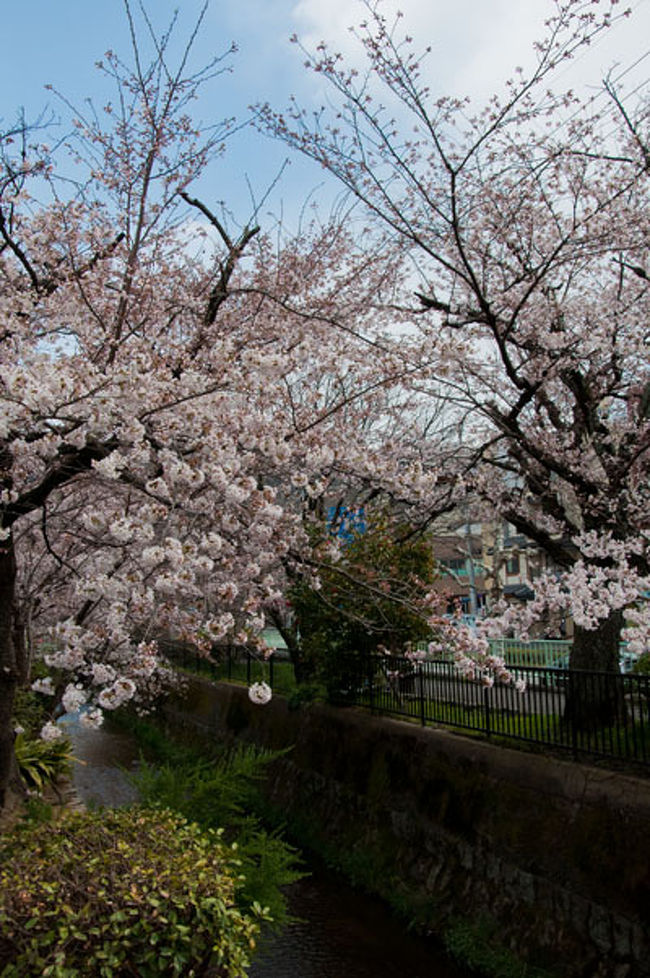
(557, 853)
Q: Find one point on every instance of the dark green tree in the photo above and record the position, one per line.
(378, 594)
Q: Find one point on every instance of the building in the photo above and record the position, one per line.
(483, 563)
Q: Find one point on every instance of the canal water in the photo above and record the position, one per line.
(338, 932)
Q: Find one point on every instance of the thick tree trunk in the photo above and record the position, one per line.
(12, 667)
(303, 669)
(594, 701)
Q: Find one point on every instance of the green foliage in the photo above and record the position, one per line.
(642, 665)
(213, 792)
(126, 892)
(30, 711)
(375, 595)
(222, 792)
(305, 694)
(268, 863)
(477, 947)
(36, 811)
(41, 762)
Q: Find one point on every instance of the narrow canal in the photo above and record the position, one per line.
(338, 933)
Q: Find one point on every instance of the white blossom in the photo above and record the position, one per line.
(260, 693)
(73, 697)
(50, 732)
(102, 673)
(92, 718)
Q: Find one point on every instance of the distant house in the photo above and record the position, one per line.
(459, 558)
(513, 563)
(495, 561)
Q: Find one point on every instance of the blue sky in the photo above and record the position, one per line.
(475, 44)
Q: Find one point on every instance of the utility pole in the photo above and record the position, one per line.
(469, 563)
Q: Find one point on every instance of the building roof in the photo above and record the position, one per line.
(520, 591)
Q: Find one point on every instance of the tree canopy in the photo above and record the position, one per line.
(527, 224)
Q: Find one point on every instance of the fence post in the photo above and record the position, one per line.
(571, 695)
(271, 670)
(421, 679)
(370, 682)
(248, 668)
(486, 706)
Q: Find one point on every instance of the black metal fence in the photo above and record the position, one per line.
(233, 663)
(550, 712)
(553, 710)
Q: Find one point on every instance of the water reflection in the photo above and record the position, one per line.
(345, 934)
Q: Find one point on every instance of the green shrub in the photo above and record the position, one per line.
(30, 711)
(642, 665)
(307, 693)
(41, 762)
(215, 792)
(129, 892)
(222, 792)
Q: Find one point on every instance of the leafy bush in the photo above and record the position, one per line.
(642, 665)
(41, 762)
(306, 694)
(222, 792)
(215, 792)
(30, 711)
(130, 892)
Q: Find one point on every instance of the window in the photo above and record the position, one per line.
(456, 564)
(512, 565)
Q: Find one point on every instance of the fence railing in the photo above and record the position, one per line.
(550, 712)
(233, 663)
(536, 652)
(542, 652)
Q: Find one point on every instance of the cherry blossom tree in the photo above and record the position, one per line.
(95, 358)
(527, 223)
(175, 394)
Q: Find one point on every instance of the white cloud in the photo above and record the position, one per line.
(476, 44)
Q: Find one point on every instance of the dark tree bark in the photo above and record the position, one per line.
(303, 668)
(595, 701)
(13, 668)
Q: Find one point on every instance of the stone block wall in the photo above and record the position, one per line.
(556, 853)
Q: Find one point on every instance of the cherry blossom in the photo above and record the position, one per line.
(50, 732)
(260, 693)
(526, 218)
(171, 416)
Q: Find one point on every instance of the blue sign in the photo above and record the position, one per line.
(346, 524)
